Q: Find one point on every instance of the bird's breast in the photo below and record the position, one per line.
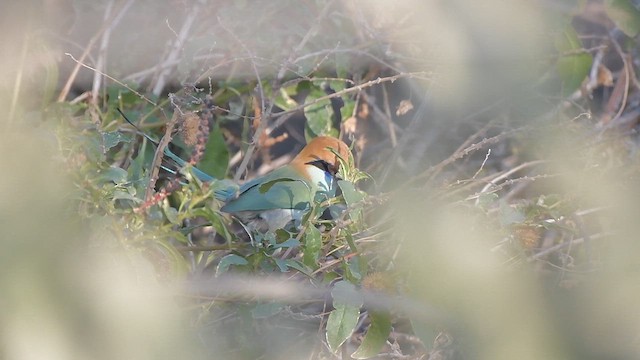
(322, 179)
(271, 220)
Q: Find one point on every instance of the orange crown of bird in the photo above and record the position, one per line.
(325, 149)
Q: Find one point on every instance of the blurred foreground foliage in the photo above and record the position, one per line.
(490, 205)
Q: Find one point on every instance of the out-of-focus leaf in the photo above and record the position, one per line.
(425, 332)
(227, 261)
(167, 261)
(346, 293)
(376, 336)
(510, 215)
(344, 318)
(624, 15)
(216, 155)
(262, 311)
(312, 246)
(573, 64)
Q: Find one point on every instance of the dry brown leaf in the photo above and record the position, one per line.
(189, 128)
(605, 77)
(404, 107)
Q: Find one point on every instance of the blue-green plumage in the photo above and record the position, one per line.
(280, 189)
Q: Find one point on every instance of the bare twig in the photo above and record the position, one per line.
(557, 247)
(157, 158)
(102, 52)
(482, 165)
(261, 120)
(80, 63)
(504, 176)
(355, 88)
(268, 110)
(174, 53)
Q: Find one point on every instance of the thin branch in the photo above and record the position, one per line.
(350, 90)
(261, 120)
(177, 47)
(268, 111)
(482, 165)
(157, 157)
(557, 247)
(102, 52)
(80, 63)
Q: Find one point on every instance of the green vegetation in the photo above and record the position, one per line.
(489, 210)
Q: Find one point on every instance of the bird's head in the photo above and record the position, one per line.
(321, 152)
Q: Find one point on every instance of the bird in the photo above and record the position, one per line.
(283, 196)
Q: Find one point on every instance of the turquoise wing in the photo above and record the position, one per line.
(281, 189)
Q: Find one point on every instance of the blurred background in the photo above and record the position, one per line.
(500, 139)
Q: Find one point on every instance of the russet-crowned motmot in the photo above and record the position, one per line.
(285, 194)
(272, 201)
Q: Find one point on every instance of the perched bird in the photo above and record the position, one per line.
(285, 194)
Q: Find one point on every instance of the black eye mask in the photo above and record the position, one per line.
(325, 166)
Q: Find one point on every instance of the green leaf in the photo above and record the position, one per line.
(624, 15)
(319, 116)
(573, 64)
(350, 193)
(172, 214)
(231, 259)
(344, 318)
(215, 220)
(376, 336)
(297, 265)
(354, 269)
(352, 244)
(287, 244)
(216, 155)
(312, 246)
(124, 195)
(114, 174)
(281, 264)
(285, 99)
(352, 196)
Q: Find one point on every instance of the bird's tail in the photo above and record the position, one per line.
(224, 189)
